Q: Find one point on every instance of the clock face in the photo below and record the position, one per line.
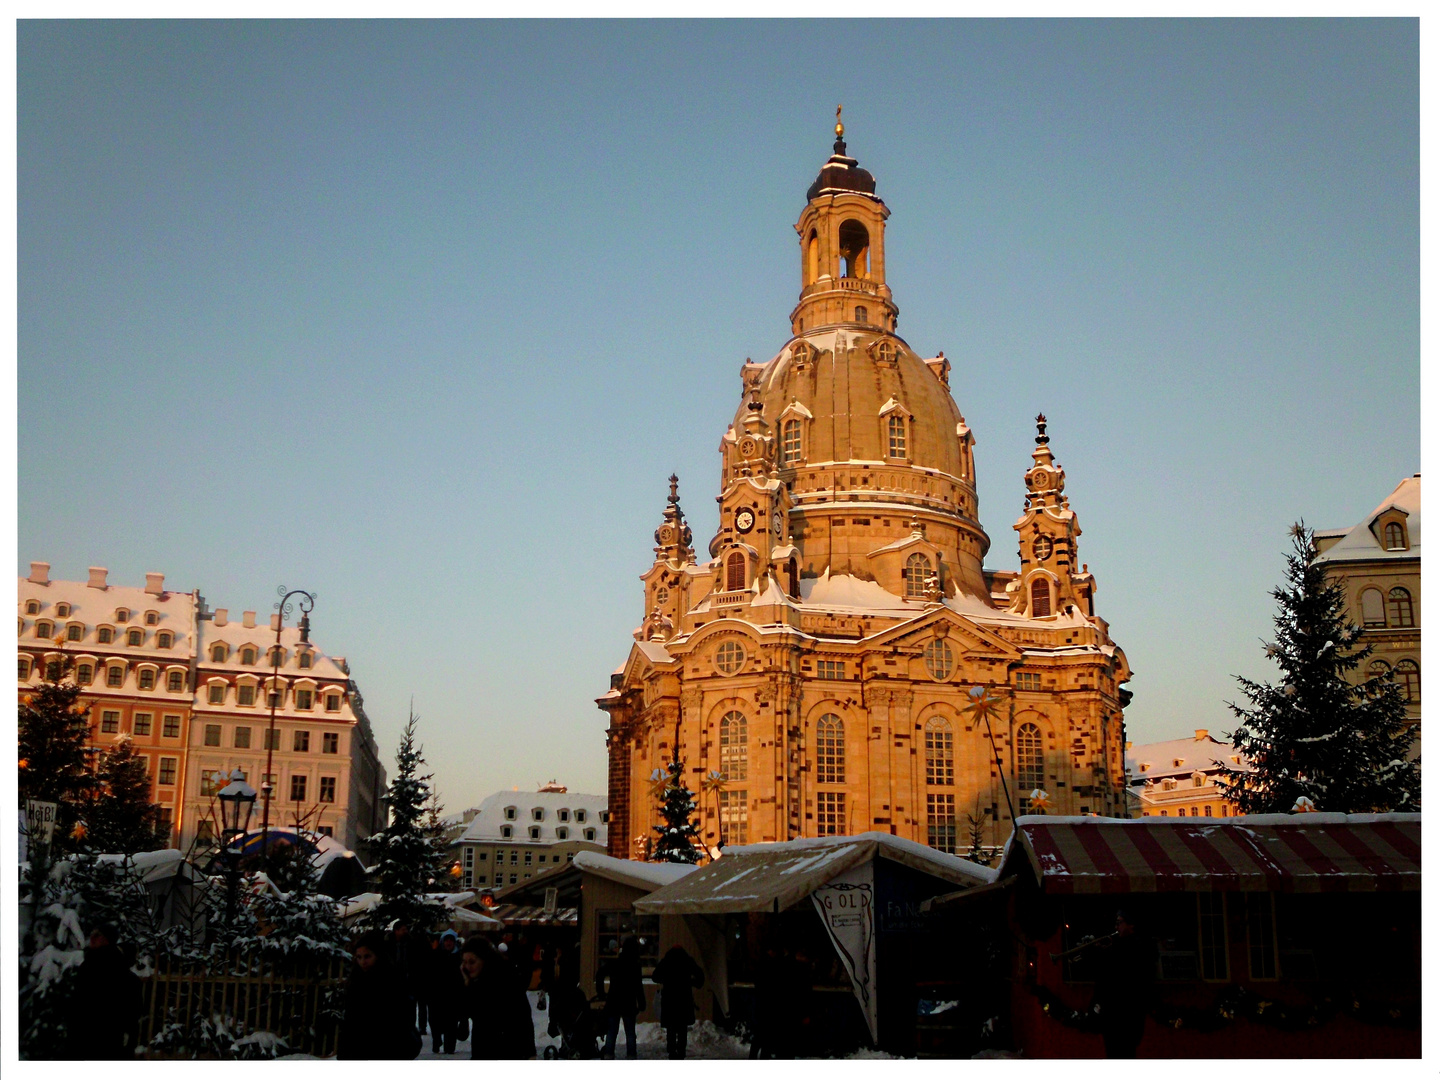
(777, 523)
(747, 447)
(744, 520)
(1042, 481)
(667, 534)
(1042, 547)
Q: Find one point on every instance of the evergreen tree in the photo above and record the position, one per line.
(1342, 744)
(410, 858)
(120, 817)
(678, 836)
(55, 760)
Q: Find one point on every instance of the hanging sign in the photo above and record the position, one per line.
(846, 904)
(40, 820)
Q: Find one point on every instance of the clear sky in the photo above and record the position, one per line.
(421, 315)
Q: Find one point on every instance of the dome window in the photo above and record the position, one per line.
(790, 442)
(895, 428)
(917, 569)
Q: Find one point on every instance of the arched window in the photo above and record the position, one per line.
(1394, 536)
(1407, 674)
(939, 752)
(790, 442)
(895, 428)
(217, 654)
(1029, 764)
(830, 750)
(792, 571)
(734, 746)
(1039, 598)
(854, 250)
(1402, 614)
(44, 630)
(247, 655)
(74, 632)
(735, 571)
(164, 639)
(917, 569)
(861, 314)
(1372, 609)
(32, 607)
(812, 258)
(939, 660)
(135, 637)
(276, 656)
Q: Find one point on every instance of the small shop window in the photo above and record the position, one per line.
(615, 926)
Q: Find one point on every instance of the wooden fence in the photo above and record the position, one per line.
(247, 994)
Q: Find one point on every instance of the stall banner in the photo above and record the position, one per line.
(846, 904)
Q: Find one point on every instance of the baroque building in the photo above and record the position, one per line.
(515, 835)
(191, 690)
(1377, 560)
(818, 673)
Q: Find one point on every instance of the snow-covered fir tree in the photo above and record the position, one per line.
(55, 758)
(409, 856)
(119, 817)
(678, 835)
(1344, 745)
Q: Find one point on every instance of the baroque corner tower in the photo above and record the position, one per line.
(815, 674)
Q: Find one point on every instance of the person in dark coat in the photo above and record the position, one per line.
(676, 974)
(444, 987)
(496, 1004)
(1126, 968)
(768, 1002)
(379, 1019)
(624, 996)
(105, 1010)
(410, 959)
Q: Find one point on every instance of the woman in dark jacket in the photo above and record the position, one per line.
(379, 1019)
(624, 997)
(444, 987)
(501, 1025)
(677, 973)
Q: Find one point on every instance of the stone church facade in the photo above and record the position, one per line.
(819, 674)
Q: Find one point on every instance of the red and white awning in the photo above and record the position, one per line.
(1309, 853)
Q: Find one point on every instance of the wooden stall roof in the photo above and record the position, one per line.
(1302, 853)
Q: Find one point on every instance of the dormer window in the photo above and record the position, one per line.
(218, 654)
(563, 815)
(122, 615)
(1395, 537)
(537, 814)
(62, 611)
(605, 816)
(105, 635)
(164, 639)
(534, 832)
(135, 637)
(510, 813)
(562, 833)
(589, 834)
(152, 618)
(506, 832)
(305, 659)
(44, 629)
(895, 427)
(1179, 761)
(74, 632)
(247, 655)
(32, 607)
(790, 442)
(276, 657)
(580, 816)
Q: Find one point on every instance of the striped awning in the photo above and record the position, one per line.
(1303, 853)
(533, 915)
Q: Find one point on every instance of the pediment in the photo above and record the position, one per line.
(959, 630)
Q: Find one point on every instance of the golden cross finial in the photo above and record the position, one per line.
(839, 127)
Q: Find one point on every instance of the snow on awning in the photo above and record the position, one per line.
(638, 875)
(534, 915)
(773, 877)
(1303, 853)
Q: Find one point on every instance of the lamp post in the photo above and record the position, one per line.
(282, 608)
(237, 803)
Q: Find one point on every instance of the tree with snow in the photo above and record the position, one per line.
(119, 817)
(678, 836)
(55, 758)
(1315, 734)
(409, 856)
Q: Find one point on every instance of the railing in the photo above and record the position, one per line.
(254, 994)
(844, 284)
(720, 599)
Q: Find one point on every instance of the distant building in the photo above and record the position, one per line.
(1180, 777)
(1378, 560)
(190, 689)
(517, 834)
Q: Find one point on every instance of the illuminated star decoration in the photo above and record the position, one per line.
(1039, 800)
(1303, 805)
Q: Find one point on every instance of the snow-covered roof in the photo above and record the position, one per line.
(640, 875)
(1196, 754)
(849, 593)
(94, 607)
(773, 877)
(1360, 543)
(490, 818)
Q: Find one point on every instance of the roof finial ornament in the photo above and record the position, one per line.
(1041, 439)
(674, 499)
(839, 131)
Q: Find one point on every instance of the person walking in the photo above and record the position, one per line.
(1126, 966)
(495, 1002)
(444, 986)
(676, 974)
(104, 1015)
(624, 996)
(409, 957)
(379, 1021)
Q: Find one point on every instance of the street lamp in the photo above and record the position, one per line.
(283, 608)
(237, 803)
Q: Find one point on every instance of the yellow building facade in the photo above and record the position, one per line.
(816, 674)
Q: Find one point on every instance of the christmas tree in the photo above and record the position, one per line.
(410, 857)
(1343, 745)
(678, 836)
(55, 759)
(120, 816)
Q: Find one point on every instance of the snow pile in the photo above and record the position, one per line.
(706, 1041)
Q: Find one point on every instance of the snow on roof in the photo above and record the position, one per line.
(490, 817)
(1361, 544)
(92, 607)
(849, 592)
(1206, 754)
(641, 875)
(654, 651)
(768, 877)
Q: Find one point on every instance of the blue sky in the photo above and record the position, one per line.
(421, 315)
